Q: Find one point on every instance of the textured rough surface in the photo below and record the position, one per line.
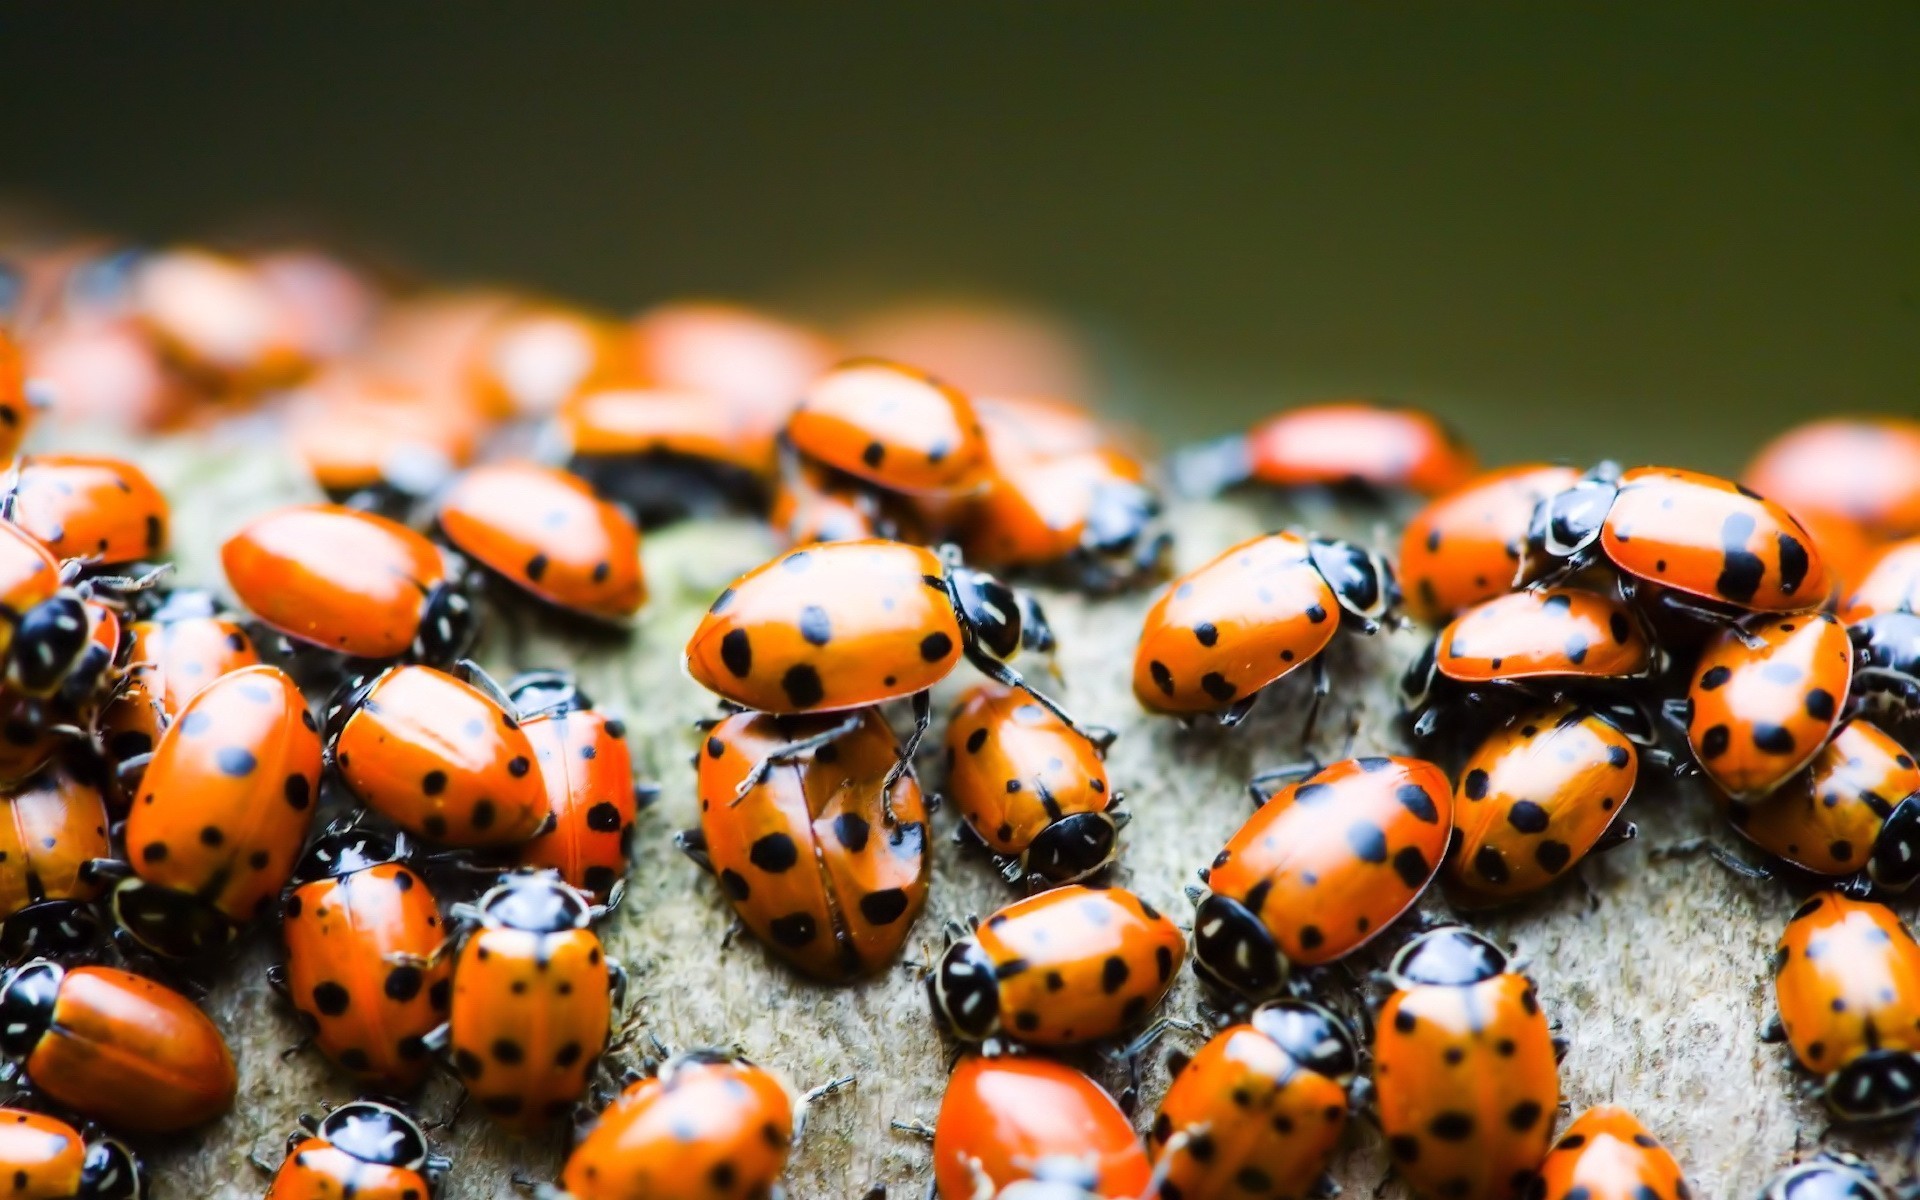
(1658, 972)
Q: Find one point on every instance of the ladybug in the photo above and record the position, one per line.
(749, 358)
(546, 533)
(186, 644)
(1891, 584)
(1358, 444)
(1887, 667)
(97, 509)
(48, 1159)
(1033, 790)
(17, 403)
(1855, 806)
(1088, 517)
(825, 866)
(115, 1047)
(1009, 1121)
(1699, 538)
(1766, 695)
(1465, 546)
(1465, 1071)
(1319, 870)
(891, 426)
(1538, 795)
(52, 833)
(362, 1149)
(350, 582)
(1225, 630)
(50, 633)
(1607, 1154)
(812, 504)
(1260, 1109)
(587, 769)
(534, 996)
(530, 357)
(667, 455)
(363, 957)
(220, 814)
(1846, 975)
(1075, 964)
(216, 320)
(379, 444)
(1829, 1176)
(440, 757)
(1863, 470)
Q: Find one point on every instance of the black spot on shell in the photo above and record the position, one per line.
(1819, 704)
(801, 683)
(1741, 570)
(736, 651)
(298, 790)
(1523, 1116)
(884, 907)
(1411, 866)
(1205, 633)
(1215, 685)
(976, 739)
(236, 762)
(1527, 817)
(536, 567)
(1451, 1126)
(852, 830)
(1475, 784)
(774, 853)
(1162, 678)
(1618, 757)
(1113, 974)
(1490, 866)
(874, 454)
(1714, 742)
(793, 930)
(734, 883)
(604, 817)
(1415, 800)
(330, 998)
(935, 646)
(1367, 841)
(815, 625)
(1774, 739)
(1553, 856)
(1794, 562)
(403, 983)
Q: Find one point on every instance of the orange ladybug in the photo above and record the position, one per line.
(1607, 1154)
(440, 757)
(1891, 584)
(1465, 1072)
(53, 833)
(894, 427)
(530, 357)
(1033, 790)
(1343, 443)
(50, 633)
(588, 771)
(1766, 695)
(1072, 965)
(363, 958)
(667, 454)
(48, 1159)
(754, 360)
(1009, 1119)
(216, 320)
(534, 996)
(361, 1149)
(17, 406)
(1260, 1109)
(1855, 806)
(115, 1047)
(186, 644)
(1089, 518)
(1319, 870)
(546, 533)
(376, 443)
(1863, 470)
(1465, 546)
(351, 582)
(96, 509)
(820, 860)
(1846, 974)
(812, 504)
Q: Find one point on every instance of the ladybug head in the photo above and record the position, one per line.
(536, 902)
(1361, 580)
(51, 928)
(1451, 956)
(111, 1172)
(1118, 517)
(170, 923)
(1566, 523)
(992, 613)
(1232, 951)
(341, 851)
(1055, 1177)
(26, 1005)
(376, 1133)
(1888, 645)
(547, 692)
(48, 643)
(1876, 1086)
(448, 624)
(965, 992)
(1072, 848)
(1416, 684)
(1829, 1175)
(1311, 1035)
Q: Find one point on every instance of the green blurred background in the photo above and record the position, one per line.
(1654, 230)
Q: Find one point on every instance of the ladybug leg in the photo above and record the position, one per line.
(1321, 687)
(1719, 854)
(1006, 676)
(693, 844)
(814, 1096)
(922, 717)
(919, 1129)
(793, 751)
(1257, 786)
(1675, 603)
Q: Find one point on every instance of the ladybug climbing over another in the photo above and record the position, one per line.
(363, 1149)
(1319, 870)
(1072, 965)
(1260, 1109)
(1890, 585)
(1829, 1175)
(53, 830)
(892, 426)
(440, 757)
(1464, 547)
(1536, 797)
(1227, 629)
(546, 533)
(1607, 1154)
(583, 759)
(17, 405)
(1698, 537)
(1465, 1072)
(220, 814)
(1846, 975)
(1766, 695)
(115, 1047)
(820, 860)
(534, 996)
(350, 582)
(1032, 790)
(96, 509)
(1013, 1120)
(1863, 470)
(48, 1159)
(186, 644)
(1344, 443)
(363, 957)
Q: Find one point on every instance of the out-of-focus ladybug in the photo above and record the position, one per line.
(1226, 630)
(1698, 537)
(1766, 695)
(894, 427)
(1465, 546)
(220, 814)
(588, 771)
(1011, 1122)
(17, 406)
(1846, 975)
(1072, 965)
(216, 320)
(362, 1149)
(1034, 791)
(1607, 1154)
(48, 1159)
(186, 644)
(667, 454)
(546, 533)
(529, 359)
(1459, 1012)
(100, 510)
(812, 504)
(1089, 518)
(1829, 1175)
(53, 831)
(115, 1047)
(1541, 793)
(1886, 676)
(1358, 444)
(821, 862)
(363, 958)
(439, 756)
(1864, 470)
(1891, 584)
(752, 359)
(379, 444)
(1260, 1109)
(1322, 867)
(534, 996)
(351, 582)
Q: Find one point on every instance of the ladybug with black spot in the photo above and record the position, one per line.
(1465, 546)
(546, 533)
(1324, 865)
(101, 511)
(59, 640)
(1226, 630)
(364, 1150)
(891, 426)
(1607, 1154)
(583, 759)
(668, 454)
(1890, 585)
(1766, 695)
(52, 833)
(48, 1159)
(1013, 1127)
(364, 962)
(1846, 975)
(1362, 445)
(1072, 965)
(819, 858)
(1861, 470)
(1466, 1074)
(17, 402)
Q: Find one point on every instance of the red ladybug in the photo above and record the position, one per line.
(1344, 443)
(97, 509)
(1224, 631)
(115, 1047)
(1008, 1120)
(53, 832)
(583, 759)
(1465, 546)
(530, 357)
(892, 426)
(350, 582)
(48, 1159)
(362, 1149)
(813, 505)
(1891, 584)
(547, 534)
(1322, 867)
(183, 646)
(1766, 695)
(1607, 1154)
(1863, 470)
